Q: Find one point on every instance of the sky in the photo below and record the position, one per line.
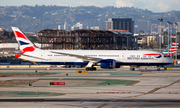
(152, 5)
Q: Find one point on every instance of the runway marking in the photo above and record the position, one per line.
(167, 92)
(66, 105)
(113, 92)
(120, 91)
(152, 91)
(54, 104)
(134, 83)
(152, 71)
(147, 85)
(174, 92)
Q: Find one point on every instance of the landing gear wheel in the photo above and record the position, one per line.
(87, 69)
(158, 69)
(90, 69)
(145, 69)
(94, 69)
(132, 69)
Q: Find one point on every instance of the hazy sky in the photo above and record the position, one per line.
(153, 5)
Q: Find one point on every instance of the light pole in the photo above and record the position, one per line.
(176, 24)
(171, 36)
(127, 43)
(168, 36)
(161, 20)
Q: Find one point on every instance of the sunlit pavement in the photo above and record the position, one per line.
(160, 86)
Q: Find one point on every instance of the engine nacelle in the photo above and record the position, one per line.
(108, 64)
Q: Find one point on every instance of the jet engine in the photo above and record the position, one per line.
(108, 64)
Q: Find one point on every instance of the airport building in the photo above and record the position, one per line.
(87, 39)
(120, 24)
(142, 25)
(178, 26)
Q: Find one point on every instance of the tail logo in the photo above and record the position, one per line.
(24, 43)
(173, 48)
(156, 55)
(20, 35)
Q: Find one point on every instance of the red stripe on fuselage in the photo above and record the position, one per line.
(151, 54)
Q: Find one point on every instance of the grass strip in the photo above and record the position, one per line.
(30, 94)
(27, 74)
(107, 81)
(14, 83)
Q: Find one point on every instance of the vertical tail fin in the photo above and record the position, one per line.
(173, 48)
(24, 43)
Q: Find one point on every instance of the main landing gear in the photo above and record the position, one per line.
(132, 68)
(158, 69)
(91, 69)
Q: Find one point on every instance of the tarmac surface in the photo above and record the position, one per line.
(102, 88)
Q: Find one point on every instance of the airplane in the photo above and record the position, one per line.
(173, 48)
(108, 59)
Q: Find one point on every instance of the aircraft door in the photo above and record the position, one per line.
(123, 57)
(42, 56)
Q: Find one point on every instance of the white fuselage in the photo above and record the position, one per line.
(123, 57)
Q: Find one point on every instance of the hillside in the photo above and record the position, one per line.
(36, 18)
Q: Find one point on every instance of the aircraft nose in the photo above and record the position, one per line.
(170, 60)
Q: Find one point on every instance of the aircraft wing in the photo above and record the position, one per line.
(84, 58)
